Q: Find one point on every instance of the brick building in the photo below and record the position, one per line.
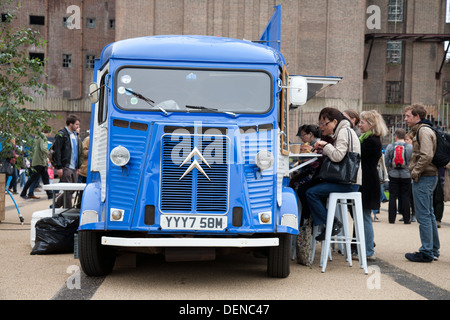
(405, 59)
(76, 32)
(388, 58)
(318, 37)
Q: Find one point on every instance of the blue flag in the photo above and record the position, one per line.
(272, 34)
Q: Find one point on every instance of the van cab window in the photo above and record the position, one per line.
(103, 101)
(193, 90)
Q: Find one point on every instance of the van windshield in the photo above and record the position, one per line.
(193, 90)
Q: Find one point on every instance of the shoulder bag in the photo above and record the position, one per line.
(345, 171)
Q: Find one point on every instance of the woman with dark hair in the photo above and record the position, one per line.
(332, 124)
(354, 118)
(310, 134)
(304, 178)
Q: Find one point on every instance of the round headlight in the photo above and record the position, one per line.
(120, 156)
(265, 217)
(116, 214)
(264, 159)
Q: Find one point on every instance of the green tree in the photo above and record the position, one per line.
(21, 79)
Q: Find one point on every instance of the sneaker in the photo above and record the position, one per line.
(321, 236)
(337, 226)
(418, 257)
(435, 258)
(371, 258)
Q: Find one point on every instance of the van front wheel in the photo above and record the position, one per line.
(96, 260)
(278, 262)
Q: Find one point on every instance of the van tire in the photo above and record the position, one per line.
(96, 259)
(278, 262)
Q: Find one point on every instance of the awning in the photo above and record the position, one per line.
(316, 84)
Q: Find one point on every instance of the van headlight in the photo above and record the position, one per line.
(264, 159)
(120, 156)
(117, 214)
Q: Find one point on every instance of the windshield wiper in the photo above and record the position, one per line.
(149, 101)
(211, 109)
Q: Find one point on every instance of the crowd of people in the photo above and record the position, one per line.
(69, 163)
(414, 181)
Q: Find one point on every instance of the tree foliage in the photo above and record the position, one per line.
(21, 79)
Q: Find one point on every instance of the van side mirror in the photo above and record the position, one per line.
(93, 92)
(298, 93)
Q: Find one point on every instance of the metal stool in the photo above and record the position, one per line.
(337, 206)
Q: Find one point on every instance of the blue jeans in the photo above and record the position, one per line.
(423, 205)
(368, 232)
(319, 193)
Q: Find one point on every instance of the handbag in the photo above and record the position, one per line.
(7, 167)
(382, 171)
(447, 183)
(345, 171)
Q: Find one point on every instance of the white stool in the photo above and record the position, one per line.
(337, 207)
(316, 231)
(343, 250)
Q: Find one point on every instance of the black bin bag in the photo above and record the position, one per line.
(55, 235)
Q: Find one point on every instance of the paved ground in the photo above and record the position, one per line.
(27, 277)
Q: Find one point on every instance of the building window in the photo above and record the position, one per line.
(90, 60)
(112, 24)
(90, 23)
(39, 20)
(67, 94)
(395, 11)
(394, 52)
(37, 56)
(67, 61)
(393, 92)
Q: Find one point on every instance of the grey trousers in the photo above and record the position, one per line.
(69, 175)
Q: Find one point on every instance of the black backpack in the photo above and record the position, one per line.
(442, 156)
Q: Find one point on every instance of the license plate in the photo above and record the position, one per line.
(191, 222)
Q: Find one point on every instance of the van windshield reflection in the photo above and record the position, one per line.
(229, 91)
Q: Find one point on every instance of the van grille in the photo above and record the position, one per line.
(194, 192)
(260, 191)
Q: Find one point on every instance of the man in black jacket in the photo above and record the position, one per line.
(68, 156)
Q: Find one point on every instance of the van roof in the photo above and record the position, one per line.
(191, 48)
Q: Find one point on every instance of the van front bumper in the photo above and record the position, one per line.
(190, 242)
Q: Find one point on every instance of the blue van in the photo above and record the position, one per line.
(189, 151)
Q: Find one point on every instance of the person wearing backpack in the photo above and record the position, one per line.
(397, 157)
(424, 179)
